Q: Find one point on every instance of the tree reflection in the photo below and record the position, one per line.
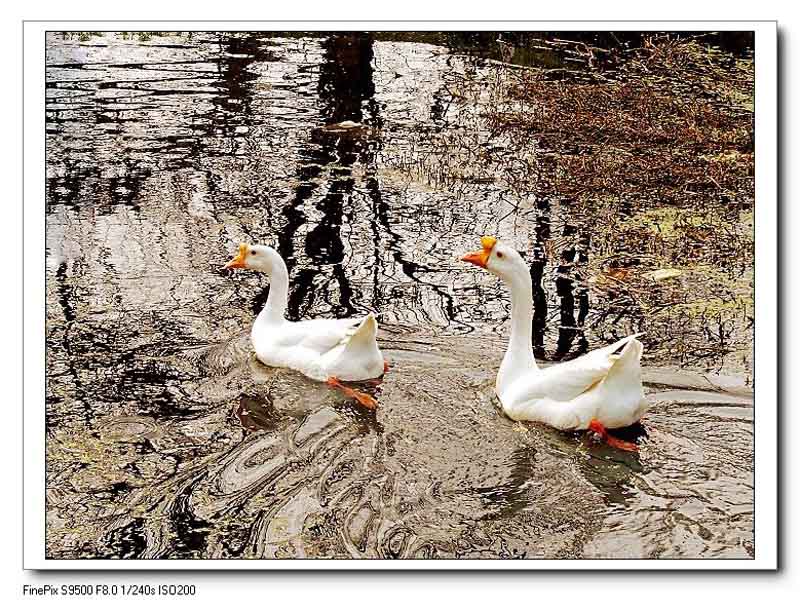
(542, 234)
(345, 89)
(571, 289)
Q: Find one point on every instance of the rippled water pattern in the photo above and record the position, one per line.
(166, 439)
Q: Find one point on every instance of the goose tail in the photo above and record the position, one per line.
(360, 358)
(623, 342)
(626, 370)
(364, 334)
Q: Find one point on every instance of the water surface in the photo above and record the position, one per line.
(167, 439)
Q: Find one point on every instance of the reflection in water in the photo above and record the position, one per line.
(167, 439)
(539, 255)
(345, 89)
(571, 289)
(612, 471)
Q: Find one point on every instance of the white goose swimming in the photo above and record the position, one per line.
(599, 390)
(322, 349)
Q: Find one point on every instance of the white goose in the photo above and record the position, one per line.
(322, 349)
(599, 390)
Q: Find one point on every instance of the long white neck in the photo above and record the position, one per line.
(518, 359)
(275, 307)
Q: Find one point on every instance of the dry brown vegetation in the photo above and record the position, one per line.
(661, 149)
(668, 124)
(652, 149)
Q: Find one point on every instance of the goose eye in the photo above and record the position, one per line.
(499, 255)
(253, 252)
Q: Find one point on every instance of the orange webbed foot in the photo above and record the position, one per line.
(385, 366)
(620, 444)
(363, 398)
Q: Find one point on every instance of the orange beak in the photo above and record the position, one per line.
(239, 261)
(481, 257)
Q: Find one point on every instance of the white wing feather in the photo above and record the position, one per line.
(565, 381)
(320, 335)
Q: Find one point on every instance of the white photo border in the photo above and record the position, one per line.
(766, 303)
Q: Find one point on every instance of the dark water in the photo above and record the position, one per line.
(166, 439)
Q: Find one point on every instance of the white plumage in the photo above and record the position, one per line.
(601, 389)
(345, 349)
